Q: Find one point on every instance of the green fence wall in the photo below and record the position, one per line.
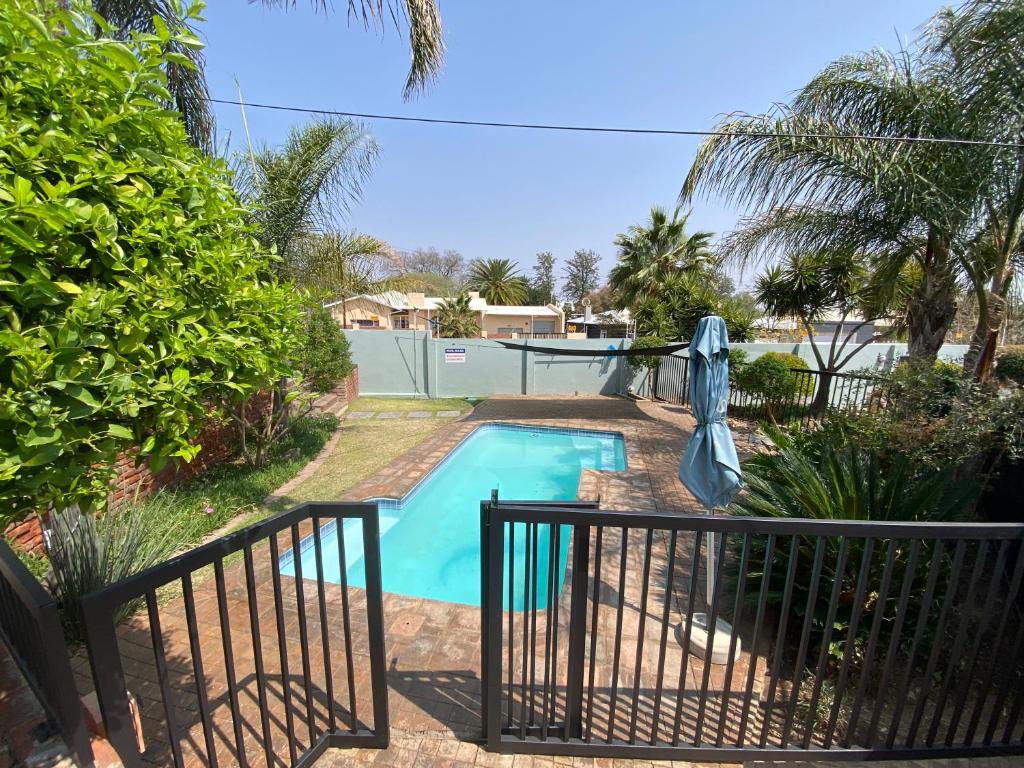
(412, 364)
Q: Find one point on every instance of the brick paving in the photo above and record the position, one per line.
(433, 652)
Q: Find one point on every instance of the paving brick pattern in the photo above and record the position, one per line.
(433, 652)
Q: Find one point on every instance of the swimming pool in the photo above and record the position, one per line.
(430, 539)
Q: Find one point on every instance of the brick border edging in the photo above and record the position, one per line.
(280, 493)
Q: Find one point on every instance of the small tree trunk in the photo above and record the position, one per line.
(980, 357)
(820, 402)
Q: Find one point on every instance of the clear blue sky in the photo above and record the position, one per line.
(504, 193)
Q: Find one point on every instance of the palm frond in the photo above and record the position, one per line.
(426, 33)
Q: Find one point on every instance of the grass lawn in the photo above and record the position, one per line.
(412, 404)
(365, 447)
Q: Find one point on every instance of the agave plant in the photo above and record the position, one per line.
(87, 553)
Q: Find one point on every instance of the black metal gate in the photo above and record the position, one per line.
(844, 640)
(240, 656)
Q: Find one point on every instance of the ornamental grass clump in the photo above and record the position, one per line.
(87, 553)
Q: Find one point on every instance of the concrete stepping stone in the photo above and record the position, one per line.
(420, 414)
(449, 414)
(361, 415)
(390, 415)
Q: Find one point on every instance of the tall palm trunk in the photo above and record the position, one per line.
(933, 306)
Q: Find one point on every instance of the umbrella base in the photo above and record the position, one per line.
(719, 640)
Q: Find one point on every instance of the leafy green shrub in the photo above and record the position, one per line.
(804, 382)
(770, 377)
(648, 362)
(132, 297)
(87, 553)
(1010, 364)
(738, 360)
(325, 358)
(812, 477)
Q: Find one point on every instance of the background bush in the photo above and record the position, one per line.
(1010, 364)
(325, 358)
(131, 295)
(768, 376)
(646, 361)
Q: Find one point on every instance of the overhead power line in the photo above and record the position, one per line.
(608, 129)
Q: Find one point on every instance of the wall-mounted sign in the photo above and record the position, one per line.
(455, 354)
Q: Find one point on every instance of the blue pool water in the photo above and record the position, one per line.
(430, 539)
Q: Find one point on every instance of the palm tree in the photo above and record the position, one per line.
(983, 41)
(186, 80)
(455, 319)
(651, 253)
(306, 186)
(342, 264)
(807, 189)
(498, 281)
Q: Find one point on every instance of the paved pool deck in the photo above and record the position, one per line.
(432, 647)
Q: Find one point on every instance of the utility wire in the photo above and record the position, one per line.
(605, 129)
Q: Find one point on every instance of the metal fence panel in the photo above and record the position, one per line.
(849, 640)
(271, 657)
(30, 626)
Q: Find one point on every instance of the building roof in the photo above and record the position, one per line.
(399, 301)
(608, 317)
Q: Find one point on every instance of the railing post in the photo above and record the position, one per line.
(108, 675)
(375, 625)
(485, 559)
(490, 670)
(577, 631)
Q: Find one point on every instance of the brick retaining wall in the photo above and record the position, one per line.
(218, 439)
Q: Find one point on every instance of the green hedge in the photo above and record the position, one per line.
(131, 295)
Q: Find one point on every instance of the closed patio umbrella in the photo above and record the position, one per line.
(710, 467)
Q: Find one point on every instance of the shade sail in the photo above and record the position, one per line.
(710, 467)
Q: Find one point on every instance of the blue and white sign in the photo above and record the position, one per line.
(455, 354)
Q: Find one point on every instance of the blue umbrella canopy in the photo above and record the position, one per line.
(710, 467)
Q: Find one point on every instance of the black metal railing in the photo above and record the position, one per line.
(814, 394)
(245, 659)
(836, 639)
(30, 627)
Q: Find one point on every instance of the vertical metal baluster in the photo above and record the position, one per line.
(197, 669)
(934, 569)
(787, 599)
(1013, 721)
(979, 633)
(533, 623)
(663, 644)
(851, 638)
(698, 543)
(638, 665)
(300, 599)
(547, 634)
(1010, 598)
(952, 584)
(526, 629)
(286, 682)
(257, 655)
(869, 653)
(709, 649)
(819, 675)
(160, 658)
(805, 635)
(554, 626)
(229, 661)
(762, 602)
(321, 593)
(595, 604)
(961, 636)
(909, 575)
(616, 654)
(737, 615)
(350, 669)
(511, 614)
(1014, 651)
